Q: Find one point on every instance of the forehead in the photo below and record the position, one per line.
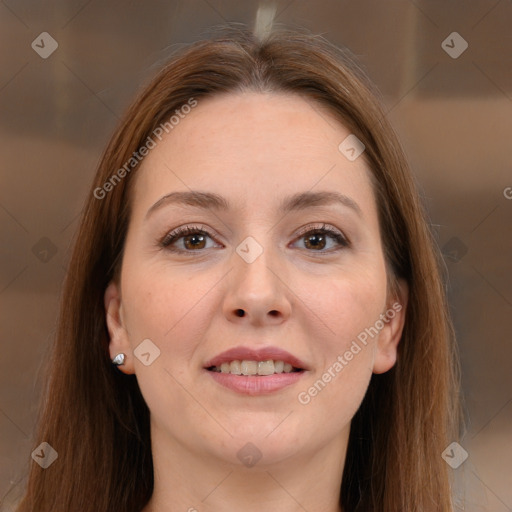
(256, 145)
(267, 125)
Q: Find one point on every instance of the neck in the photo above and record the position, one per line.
(197, 482)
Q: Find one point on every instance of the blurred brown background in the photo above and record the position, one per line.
(453, 113)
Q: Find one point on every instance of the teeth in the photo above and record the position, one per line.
(245, 367)
(249, 367)
(235, 368)
(266, 367)
(278, 366)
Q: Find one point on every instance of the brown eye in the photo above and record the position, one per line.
(187, 239)
(196, 241)
(317, 239)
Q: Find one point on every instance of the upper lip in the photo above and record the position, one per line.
(256, 354)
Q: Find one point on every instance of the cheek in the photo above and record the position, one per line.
(172, 310)
(349, 308)
(334, 395)
(345, 305)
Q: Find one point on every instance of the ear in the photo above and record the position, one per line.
(119, 342)
(389, 337)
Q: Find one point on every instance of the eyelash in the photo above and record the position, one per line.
(179, 233)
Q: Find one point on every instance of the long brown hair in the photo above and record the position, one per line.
(95, 417)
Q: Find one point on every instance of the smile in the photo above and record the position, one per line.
(255, 371)
(261, 368)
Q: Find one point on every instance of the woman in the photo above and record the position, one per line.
(253, 316)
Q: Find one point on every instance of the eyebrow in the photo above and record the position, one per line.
(295, 202)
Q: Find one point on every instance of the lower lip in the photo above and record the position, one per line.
(256, 385)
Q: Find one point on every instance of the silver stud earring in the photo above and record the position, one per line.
(119, 360)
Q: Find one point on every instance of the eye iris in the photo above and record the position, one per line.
(197, 237)
(315, 237)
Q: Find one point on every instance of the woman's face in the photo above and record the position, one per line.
(255, 277)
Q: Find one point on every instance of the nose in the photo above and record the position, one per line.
(258, 293)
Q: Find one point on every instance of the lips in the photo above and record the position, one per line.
(262, 354)
(250, 371)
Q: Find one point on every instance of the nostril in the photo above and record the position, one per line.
(240, 312)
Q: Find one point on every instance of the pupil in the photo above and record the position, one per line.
(316, 239)
(198, 239)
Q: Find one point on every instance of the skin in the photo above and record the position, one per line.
(254, 149)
